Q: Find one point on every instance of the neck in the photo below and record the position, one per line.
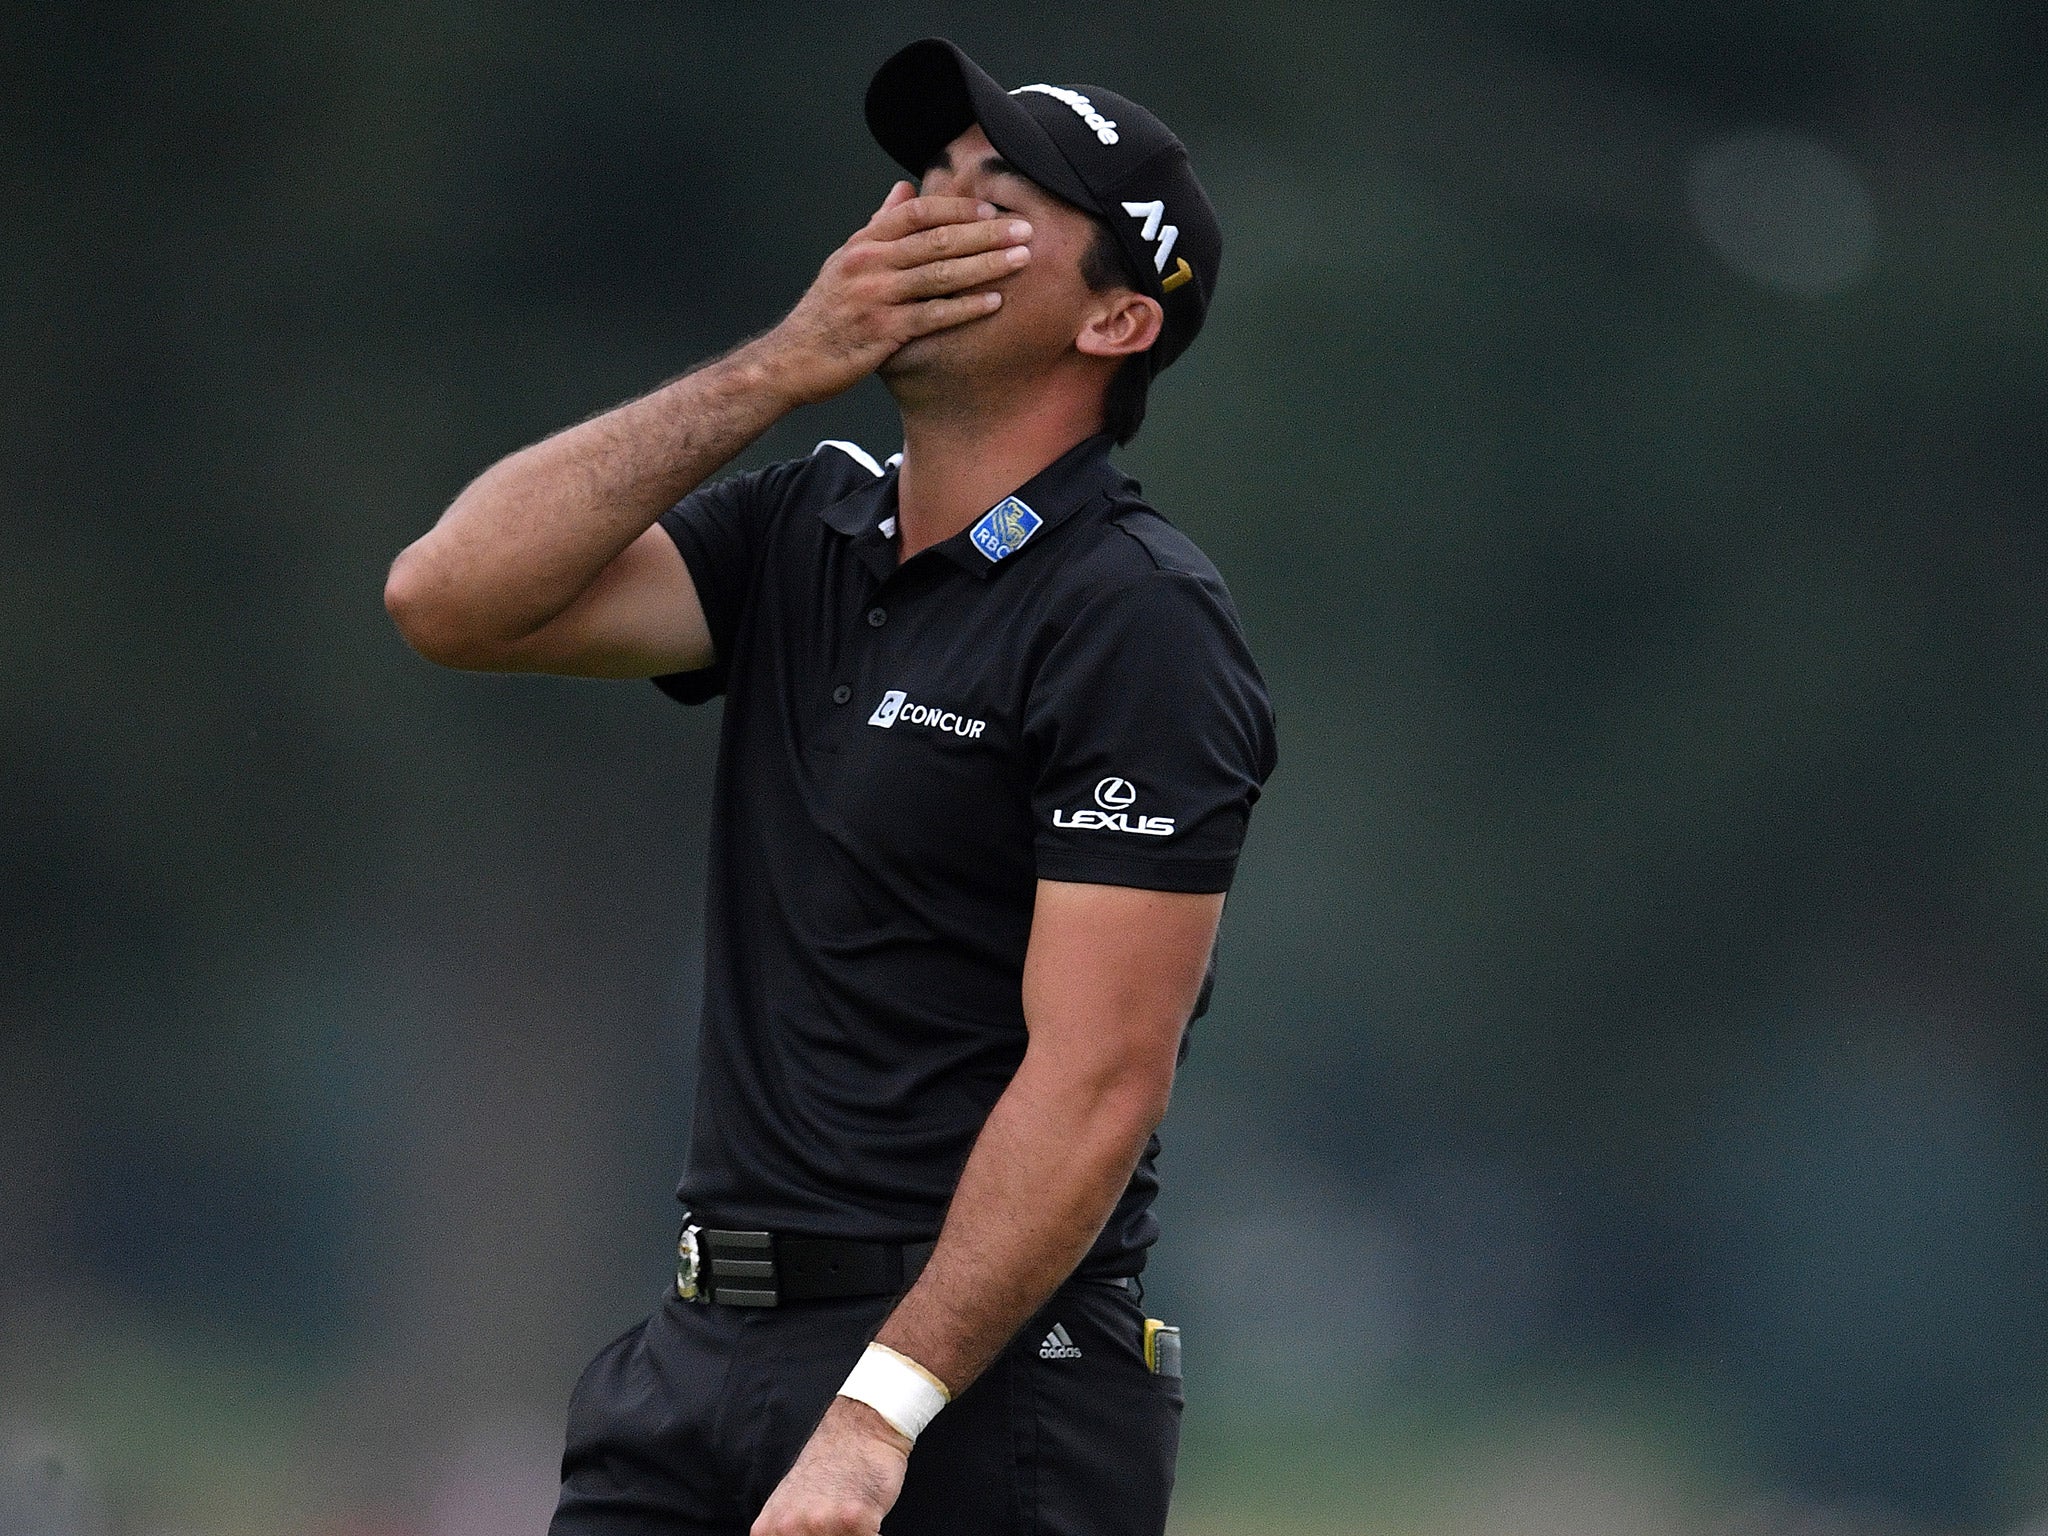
(959, 463)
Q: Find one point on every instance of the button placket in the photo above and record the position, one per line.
(862, 655)
(858, 659)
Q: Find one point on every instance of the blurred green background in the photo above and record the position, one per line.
(1622, 427)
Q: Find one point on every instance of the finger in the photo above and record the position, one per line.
(900, 192)
(940, 314)
(942, 277)
(915, 213)
(956, 240)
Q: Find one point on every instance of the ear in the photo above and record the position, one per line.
(1126, 322)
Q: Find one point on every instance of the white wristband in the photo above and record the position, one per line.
(898, 1388)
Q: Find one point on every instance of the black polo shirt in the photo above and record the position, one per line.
(1061, 691)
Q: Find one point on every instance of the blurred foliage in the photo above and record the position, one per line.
(1638, 970)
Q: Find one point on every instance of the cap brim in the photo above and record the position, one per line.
(927, 95)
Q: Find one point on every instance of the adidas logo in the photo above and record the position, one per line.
(1058, 1346)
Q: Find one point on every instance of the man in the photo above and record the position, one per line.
(991, 740)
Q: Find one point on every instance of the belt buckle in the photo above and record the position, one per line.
(689, 1264)
(739, 1269)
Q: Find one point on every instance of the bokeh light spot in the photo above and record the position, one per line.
(1785, 210)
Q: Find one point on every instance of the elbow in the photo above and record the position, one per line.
(1128, 1103)
(1139, 1085)
(430, 622)
(1141, 1104)
(1105, 1090)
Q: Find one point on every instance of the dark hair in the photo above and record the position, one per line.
(1123, 403)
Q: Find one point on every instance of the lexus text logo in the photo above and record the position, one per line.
(1116, 796)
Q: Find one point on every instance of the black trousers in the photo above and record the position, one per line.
(684, 1424)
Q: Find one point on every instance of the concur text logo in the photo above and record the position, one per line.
(895, 706)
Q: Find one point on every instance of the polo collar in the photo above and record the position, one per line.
(1070, 482)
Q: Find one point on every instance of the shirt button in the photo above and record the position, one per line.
(878, 617)
(841, 694)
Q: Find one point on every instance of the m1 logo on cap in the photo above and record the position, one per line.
(1155, 227)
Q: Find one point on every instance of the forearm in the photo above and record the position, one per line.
(531, 533)
(1054, 1155)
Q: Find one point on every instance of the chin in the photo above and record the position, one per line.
(962, 359)
(949, 350)
(931, 369)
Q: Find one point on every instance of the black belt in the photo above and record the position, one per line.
(765, 1269)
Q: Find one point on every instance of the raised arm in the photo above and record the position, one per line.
(549, 561)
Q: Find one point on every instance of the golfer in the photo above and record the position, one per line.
(991, 740)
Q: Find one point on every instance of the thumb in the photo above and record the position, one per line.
(899, 194)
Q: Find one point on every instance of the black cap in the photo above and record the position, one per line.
(1100, 151)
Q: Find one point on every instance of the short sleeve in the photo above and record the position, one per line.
(1151, 734)
(719, 529)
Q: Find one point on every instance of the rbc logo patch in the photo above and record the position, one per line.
(1003, 530)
